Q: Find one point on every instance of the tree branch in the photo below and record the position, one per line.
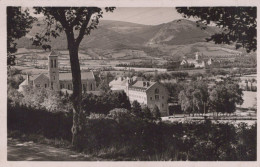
(78, 15)
(83, 27)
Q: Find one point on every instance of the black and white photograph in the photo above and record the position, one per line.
(112, 83)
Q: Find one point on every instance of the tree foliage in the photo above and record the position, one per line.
(156, 113)
(104, 103)
(19, 23)
(238, 24)
(46, 99)
(194, 97)
(224, 98)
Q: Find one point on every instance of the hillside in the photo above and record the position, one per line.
(173, 39)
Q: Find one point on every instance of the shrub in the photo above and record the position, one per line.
(122, 134)
(35, 121)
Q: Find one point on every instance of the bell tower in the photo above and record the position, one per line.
(53, 71)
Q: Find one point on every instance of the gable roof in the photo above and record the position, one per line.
(32, 78)
(141, 85)
(53, 54)
(68, 76)
(119, 81)
(25, 82)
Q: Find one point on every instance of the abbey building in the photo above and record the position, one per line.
(56, 80)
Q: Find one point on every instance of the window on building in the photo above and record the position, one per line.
(45, 85)
(156, 97)
(162, 105)
(51, 63)
(53, 77)
(162, 97)
(156, 91)
(55, 64)
(51, 85)
(151, 98)
(91, 86)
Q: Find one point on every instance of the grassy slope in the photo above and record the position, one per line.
(173, 39)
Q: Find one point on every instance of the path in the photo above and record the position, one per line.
(30, 151)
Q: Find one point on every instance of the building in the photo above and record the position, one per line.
(198, 62)
(147, 93)
(56, 80)
(119, 84)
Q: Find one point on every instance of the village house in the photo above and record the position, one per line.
(198, 62)
(58, 81)
(145, 92)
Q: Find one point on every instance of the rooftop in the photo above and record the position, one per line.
(144, 85)
(53, 54)
(119, 81)
(84, 76)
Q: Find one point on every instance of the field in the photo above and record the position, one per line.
(90, 59)
(249, 99)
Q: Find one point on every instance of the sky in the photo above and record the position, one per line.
(140, 15)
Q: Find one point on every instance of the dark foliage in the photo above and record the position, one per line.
(238, 24)
(103, 104)
(18, 24)
(137, 139)
(35, 121)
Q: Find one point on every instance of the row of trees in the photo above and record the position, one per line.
(198, 98)
(163, 76)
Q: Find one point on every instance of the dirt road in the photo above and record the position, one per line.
(30, 151)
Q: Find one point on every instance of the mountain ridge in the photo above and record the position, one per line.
(173, 39)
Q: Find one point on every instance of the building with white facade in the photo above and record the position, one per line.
(198, 62)
(147, 93)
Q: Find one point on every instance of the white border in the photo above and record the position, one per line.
(103, 3)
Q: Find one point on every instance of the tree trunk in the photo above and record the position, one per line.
(204, 107)
(77, 92)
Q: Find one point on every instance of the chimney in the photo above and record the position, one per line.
(144, 84)
(28, 78)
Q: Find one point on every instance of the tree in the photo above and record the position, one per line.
(136, 108)
(76, 22)
(185, 102)
(238, 24)
(121, 100)
(18, 24)
(224, 98)
(197, 100)
(174, 89)
(42, 98)
(204, 94)
(104, 86)
(194, 97)
(156, 113)
(147, 114)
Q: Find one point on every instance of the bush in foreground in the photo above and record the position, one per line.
(121, 135)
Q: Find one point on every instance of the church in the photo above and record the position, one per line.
(58, 81)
